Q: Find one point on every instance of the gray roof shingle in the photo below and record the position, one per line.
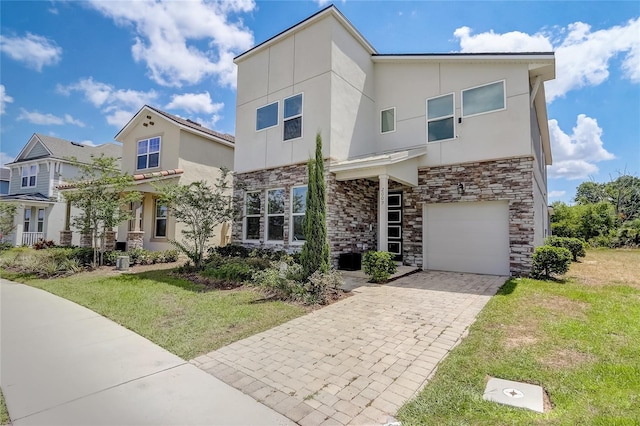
(64, 149)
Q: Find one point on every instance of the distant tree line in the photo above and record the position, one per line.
(604, 214)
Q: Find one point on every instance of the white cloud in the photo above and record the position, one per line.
(35, 117)
(4, 99)
(88, 142)
(575, 155)
(33, 50)
(556, 194)
(195, 103)
(118, 105)
(5, 158)
(184, 42)
(583, 57)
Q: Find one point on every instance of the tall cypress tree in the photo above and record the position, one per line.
(315, 251)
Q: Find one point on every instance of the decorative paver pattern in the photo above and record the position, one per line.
(358, 360)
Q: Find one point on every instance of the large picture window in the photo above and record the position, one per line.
(267, 116)
(275, 215)
(388, 120)
(160, 220)
(440, 118)
(252, 216)
(293, 117)
(482, 99)
(298, 208)
(148, 153)
(29, 174)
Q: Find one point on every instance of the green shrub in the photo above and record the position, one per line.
(230, 250)
(42, 263)
(232, 271)
(171, 255)
(136, 255)
(320, 287)
(275, 283)
(379, 265)
(109, 258)
(575, 245)
(5, 246)
(549, 260)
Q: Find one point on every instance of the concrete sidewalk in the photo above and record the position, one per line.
(62, 364)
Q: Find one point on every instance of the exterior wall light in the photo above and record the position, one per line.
(460, 188)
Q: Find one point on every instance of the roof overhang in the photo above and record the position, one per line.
(327, 11)
(400, 166)
(26, 199)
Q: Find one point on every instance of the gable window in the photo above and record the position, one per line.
(293, 117)
(388, 120)
(27, 220)
(160, 230)
(252, 216)
(298, 208)
(482, 99)
(29, 174)
(40, 220)
(267, 116)
(275, 215)
(148, 153)
(440, 118)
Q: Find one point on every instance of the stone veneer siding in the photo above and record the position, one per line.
(351, 208)
(352, 205)
(508, 179)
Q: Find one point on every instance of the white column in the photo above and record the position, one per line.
(19, 222)
(383, 192)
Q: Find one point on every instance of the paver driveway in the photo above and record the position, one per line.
(358, 360)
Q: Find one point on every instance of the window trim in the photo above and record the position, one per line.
(504, 99)
(277, 103)
(394, 120)
(247, 215)
(452, 116)
(148, 140)
(157, 203)
(29, 176)
(293, 117)
(292, 214)
(268, 215)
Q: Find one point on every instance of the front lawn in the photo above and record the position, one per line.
(4, 414)
(577, 338)
(174, 313)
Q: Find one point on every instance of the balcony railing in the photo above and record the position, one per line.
(30, 238)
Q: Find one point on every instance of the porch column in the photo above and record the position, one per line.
(383, 192)
(66, 236)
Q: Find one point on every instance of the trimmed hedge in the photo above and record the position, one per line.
(548, 260)
(575, 245)
(379, 265)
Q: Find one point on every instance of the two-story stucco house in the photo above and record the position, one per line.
(438, 158)
(159, 147)
(42, 165)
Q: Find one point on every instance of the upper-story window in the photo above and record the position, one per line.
(440, 118)
(482, 99)
(148, 153)
(292, 116)
(267, 116)
(252, 202)
(275, 215)
(29, 174)
(298, 208)
(388, 120)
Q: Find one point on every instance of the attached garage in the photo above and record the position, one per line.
(467, 237)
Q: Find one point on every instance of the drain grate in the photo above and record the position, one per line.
(515, 394)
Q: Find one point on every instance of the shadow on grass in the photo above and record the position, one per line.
(165, 276)
(508, 287)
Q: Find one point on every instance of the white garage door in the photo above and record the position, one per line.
(467, 237)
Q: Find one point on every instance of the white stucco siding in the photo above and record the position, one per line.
(540, 209)
(253, 78)
(205, 154)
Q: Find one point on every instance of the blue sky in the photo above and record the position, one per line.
(80, 70)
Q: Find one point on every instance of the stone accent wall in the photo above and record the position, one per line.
(110, 241)
(86, 240)
(352, 216)
(508, 179)
(135, 239)
(66, 238)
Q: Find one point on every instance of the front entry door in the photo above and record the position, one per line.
(394, 227)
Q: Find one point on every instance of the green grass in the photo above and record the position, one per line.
(171, 312)
(4, 414)
(578, 340)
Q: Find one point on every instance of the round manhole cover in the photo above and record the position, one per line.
(513, 393)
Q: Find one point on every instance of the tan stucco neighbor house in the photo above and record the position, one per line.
(438, 158)
(44, 164)
(158, 147)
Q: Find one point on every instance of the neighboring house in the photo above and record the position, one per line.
(5, 178)
(438, 158)
(159, 148)
(42, 165)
